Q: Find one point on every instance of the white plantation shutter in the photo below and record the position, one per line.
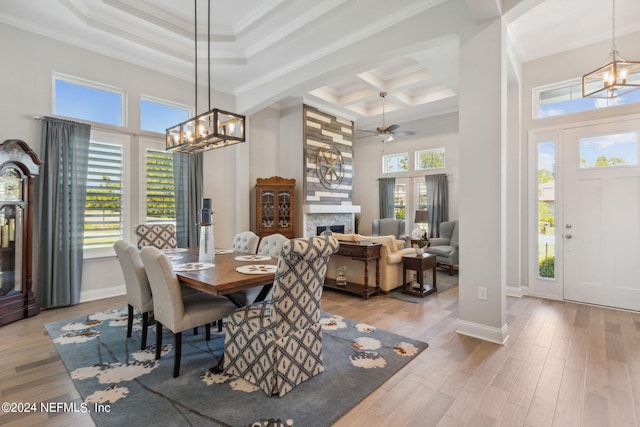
(160, 196)
(104, 205)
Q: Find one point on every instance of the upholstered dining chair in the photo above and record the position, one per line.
(139, 295)
(277, 344)
(161, 236)
(137, 285)
(172, 310)
(245, 242)
(271, 245)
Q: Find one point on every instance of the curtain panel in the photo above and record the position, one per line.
(187, 173)
(437, 202)
(62, 190)
(387, 193)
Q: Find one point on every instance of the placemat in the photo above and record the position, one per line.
(223, 251)
(193, 266)
(253, 258)
(257, 269)
(174, 250)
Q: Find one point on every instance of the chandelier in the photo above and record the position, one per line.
(616, 77)
(214, 129)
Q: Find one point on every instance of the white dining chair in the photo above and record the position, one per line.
(172, 310)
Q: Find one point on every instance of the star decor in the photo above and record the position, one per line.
(330, 166)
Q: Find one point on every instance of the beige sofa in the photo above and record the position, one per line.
(391, 254)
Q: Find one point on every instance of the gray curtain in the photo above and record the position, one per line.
(62, 190)
(187, 174)
(437, 202)
(387, 195)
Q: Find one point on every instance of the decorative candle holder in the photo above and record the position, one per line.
(207, 246)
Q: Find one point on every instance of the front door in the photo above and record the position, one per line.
(601, 214)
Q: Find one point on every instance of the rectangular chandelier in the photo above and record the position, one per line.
(214, 129)
(613, 79)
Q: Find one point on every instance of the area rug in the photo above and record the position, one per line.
(121, 385)
(443, 281)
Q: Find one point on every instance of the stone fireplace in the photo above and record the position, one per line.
(328, 215)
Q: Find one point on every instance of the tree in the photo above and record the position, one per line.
(545, 175)
(603, 161)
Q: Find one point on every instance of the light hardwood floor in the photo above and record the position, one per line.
(564, 365)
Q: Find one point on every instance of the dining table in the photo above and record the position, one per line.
(224, 278)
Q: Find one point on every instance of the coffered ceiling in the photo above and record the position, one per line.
(335, 54)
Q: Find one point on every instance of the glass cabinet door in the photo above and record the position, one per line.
(11, 248)
(284, 209)
(268, 209)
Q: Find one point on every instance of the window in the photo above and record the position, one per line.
(395, 163)
(609, 150)
(400, 197)
(157, 115)
(160, 197)
(84, 100)
(430, 159)
(421, 196)
(546, 209)
(104, 205)
(566, 98)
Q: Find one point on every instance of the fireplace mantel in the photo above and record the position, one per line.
(331, 209)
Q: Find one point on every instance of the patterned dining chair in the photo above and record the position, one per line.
(161, 236)
(277, 344)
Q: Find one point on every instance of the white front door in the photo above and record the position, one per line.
(601, 214)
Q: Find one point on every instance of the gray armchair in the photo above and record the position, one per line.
(445, 247)
(389, 227)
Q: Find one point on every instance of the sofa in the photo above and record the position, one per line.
(391, 253)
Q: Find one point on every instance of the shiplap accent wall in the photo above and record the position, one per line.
(320, 131)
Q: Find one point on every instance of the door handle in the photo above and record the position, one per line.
(568, 236)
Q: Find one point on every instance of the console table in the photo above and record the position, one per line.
(364, 253)
(419, 263)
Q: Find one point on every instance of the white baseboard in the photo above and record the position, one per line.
(483, 332)
(102, 293)
(514, 291)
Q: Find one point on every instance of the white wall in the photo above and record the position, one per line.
(26, 87)
(434, 132)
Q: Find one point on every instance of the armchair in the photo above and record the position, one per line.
(445, 247)
(389, 227)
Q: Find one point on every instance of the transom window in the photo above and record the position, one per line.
(392, 163)
(157, 115)
(430, 159)
(85, 100)
(565, 98)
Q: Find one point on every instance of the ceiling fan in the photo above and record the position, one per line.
(388, 131)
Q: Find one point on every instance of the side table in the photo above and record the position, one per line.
(419, 264)
(364, 253)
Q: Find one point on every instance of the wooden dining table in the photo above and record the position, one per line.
(223, 279)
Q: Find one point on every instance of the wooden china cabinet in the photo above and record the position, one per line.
(275, 206)
(18, 167)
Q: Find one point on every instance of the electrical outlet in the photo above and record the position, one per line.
(482, 293)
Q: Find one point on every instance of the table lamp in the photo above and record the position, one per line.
(421, 217)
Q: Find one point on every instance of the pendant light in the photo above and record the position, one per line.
(616, 77)
(214, 129)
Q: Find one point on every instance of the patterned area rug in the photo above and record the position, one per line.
(110, 370)
(443, 281)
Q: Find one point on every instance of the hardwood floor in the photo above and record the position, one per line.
(564, 365)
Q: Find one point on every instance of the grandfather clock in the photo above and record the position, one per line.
(18, 167)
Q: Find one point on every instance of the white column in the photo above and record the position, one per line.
(482, 109)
